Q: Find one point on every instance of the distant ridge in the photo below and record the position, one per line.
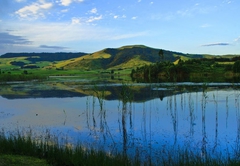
(44, 56)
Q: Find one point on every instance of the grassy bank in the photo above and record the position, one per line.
(19, 150)
(20, 77)
(13, 148)
(43, 74)
(16, 160)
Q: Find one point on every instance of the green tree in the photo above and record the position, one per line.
(236, 67)
(25, 72)
(161, 54)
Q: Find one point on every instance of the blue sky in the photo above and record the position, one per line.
(188, 26)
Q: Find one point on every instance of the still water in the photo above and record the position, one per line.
(133, 119)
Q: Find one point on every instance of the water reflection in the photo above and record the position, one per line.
(204, 133)
(134, 120)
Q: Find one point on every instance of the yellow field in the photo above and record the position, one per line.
(5, 63)
(226, 63)
(97, 55)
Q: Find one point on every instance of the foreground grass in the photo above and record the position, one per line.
(15, 160)
(12, 148)
(19, 150)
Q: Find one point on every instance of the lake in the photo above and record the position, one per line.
(131, 118)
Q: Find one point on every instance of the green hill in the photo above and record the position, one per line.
(126, 57)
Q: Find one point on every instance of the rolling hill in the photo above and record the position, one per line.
(125, 57)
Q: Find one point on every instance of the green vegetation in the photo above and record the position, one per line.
(16, 160)
(13, 148)
(23, 150)
(122, 58)
(145, 62)
(6, 77)
(189, 70)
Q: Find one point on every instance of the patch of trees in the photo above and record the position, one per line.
(25, 76)
(236, 67)
(24, 65)
(182, 70)
(15, 63)
(162, 69)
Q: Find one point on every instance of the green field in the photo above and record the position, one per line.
(113, 62)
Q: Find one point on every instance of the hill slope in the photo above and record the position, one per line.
(110, 58)
(125, 57)
(12, 60)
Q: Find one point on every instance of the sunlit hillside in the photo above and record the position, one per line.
(126, 57)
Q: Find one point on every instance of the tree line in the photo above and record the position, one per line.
(183, 70)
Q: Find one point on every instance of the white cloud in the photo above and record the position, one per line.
(85, 20)
(119, 17)
(94, 11)
(56, 33)
(237, 39)
(151, 3)
(139, 0)
(27, 37)
(92, 19)
(134, 18)
(68, 2)
(227, 1)
(76, 20)
(34, 11)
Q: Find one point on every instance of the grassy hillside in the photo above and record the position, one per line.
(126, 57)
(34, 60)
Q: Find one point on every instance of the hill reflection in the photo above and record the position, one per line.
(138, 92)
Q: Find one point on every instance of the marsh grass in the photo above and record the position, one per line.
(56, 154)
(100, 94)
(16, 148)
(16, 160)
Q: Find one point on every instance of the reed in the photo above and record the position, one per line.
(100, 94)
(126, 94)
(56, 154)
